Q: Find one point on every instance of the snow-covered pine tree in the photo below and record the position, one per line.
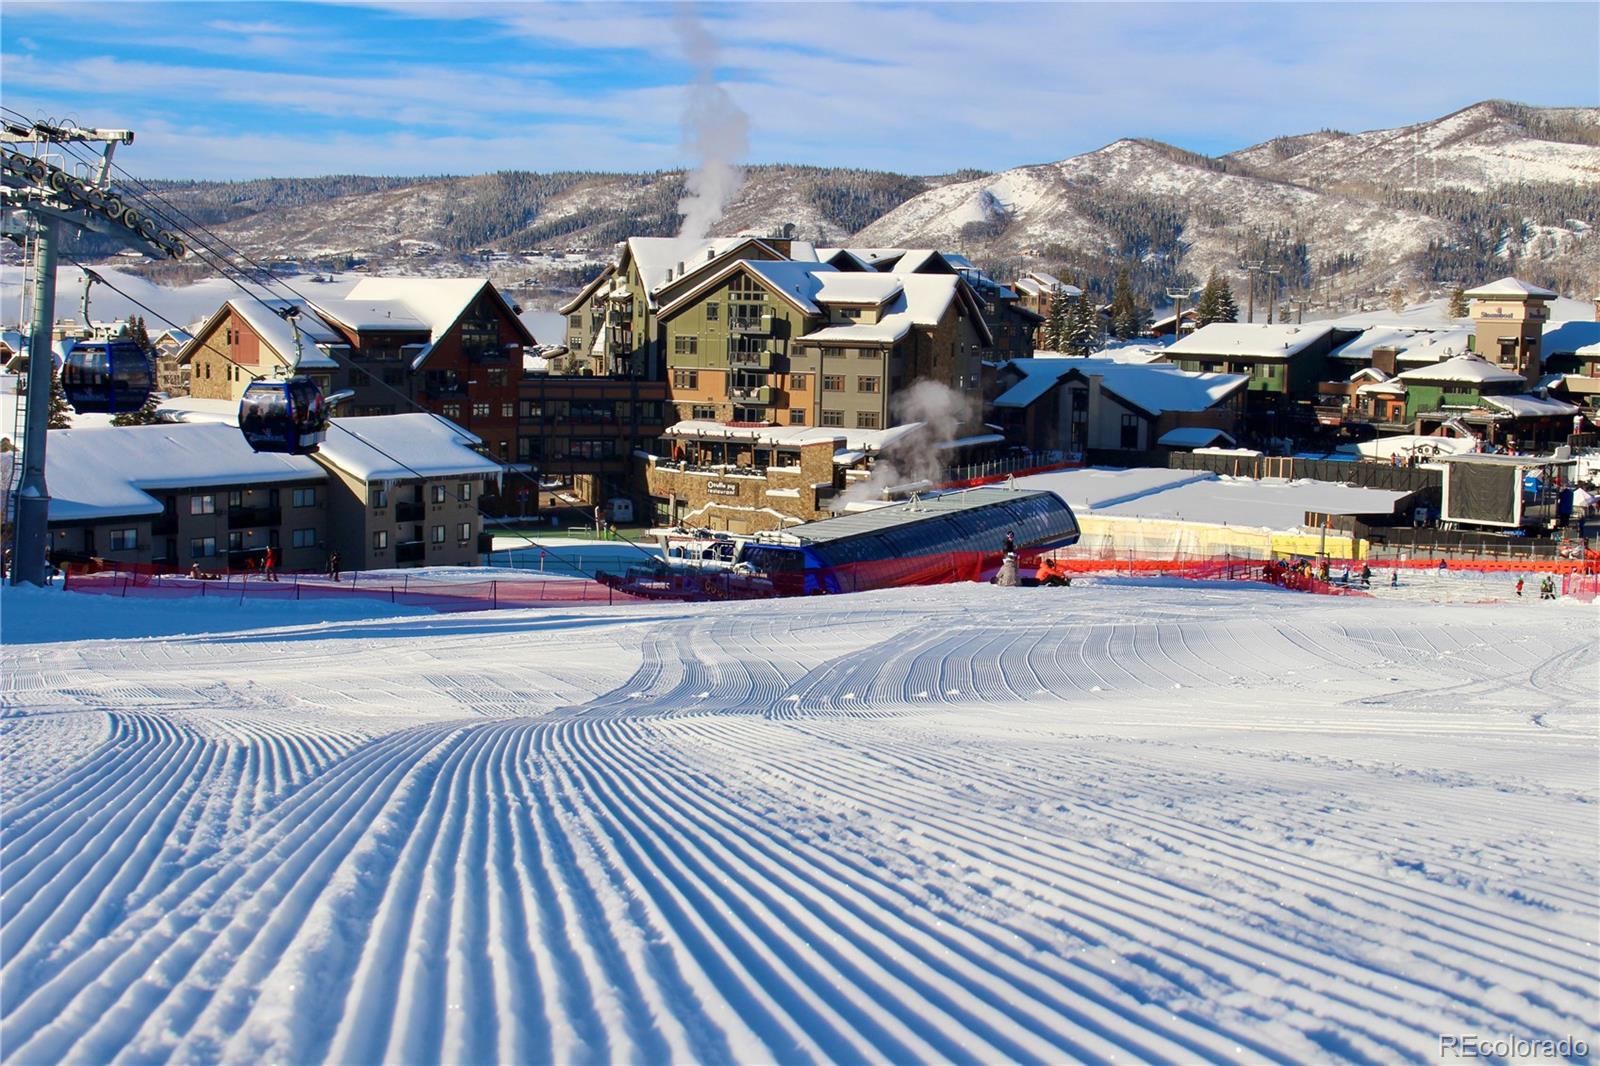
(146, 414)
(1083, 337)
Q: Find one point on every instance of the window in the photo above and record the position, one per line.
(452, 411)
(304, 498)
(438, 534)
(124, 540)
(1130, 431)
(380, 540)
(798, 382)
(833, 383)
(303, 538)
(464, 491)
(866, 420)
(236, 499)
(832, 418)
(575, 320)
(480, 410)
(686, 379)
(508, 410)
(236, 542)
(868, 384)
(505, 450)
(465, 532)
(797, 417)
(439, 493)
(705, 412)
(202, 505)
(380, 499)
(203, 547)
(711, 311)
(497, 376)
(850, 312)
(686, 346)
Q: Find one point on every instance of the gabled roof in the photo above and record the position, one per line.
(1463, 369)
(437, 303)
(1249, 340)
(1194, 437)
(1510, 288)
(657, 257)
(1525, 406)
(853, 288)
(367, 315)
(316, 336)
(1149, 387)
(588, 290)
(923, 300)
(844, 259)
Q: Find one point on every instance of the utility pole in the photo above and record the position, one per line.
(1251, 270)
(1271, 279)
(49, 199)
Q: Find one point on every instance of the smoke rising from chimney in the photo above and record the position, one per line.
(714, 129)
(942, 412)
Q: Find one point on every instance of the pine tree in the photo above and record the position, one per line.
(1128, 319)
(1083, 336)
(1227, 308)
(1205, 308)
(1397, 299)
(1458, 303)
(60, 411)
(1057, 322)
(145, 416)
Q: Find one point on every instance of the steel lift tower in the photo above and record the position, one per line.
(43, 200)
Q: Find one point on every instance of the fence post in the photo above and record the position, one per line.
(125, 588)
(494, 595)
(296, 585)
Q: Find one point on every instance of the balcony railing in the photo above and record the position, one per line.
(165, 525)
(761, 360)
(251, 517)
(408, 512)
(760, 395)
(434, 389)
(759, 325)
(410, 551)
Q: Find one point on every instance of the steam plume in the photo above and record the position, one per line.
(942, 411)
(714, 129)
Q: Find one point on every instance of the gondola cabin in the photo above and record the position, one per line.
(283, 416)
(107, 377)
(959, 536)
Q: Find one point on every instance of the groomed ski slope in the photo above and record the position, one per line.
(1114, 822)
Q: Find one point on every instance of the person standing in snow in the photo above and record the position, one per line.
(1519, 588)
(269, 565)
(1366, 576)
(333, 565)
(1011, 542)
(1394, 580)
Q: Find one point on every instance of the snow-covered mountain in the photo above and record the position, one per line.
(1492, 189)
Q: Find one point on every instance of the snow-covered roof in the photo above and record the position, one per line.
(917, 259)
(1463, 369)
(656, 257)
(372, 314)
(1571, 338)
(1360, 348)
(1509, 287)
(1525, 406)
(923, 300)
(1193, 437)
(436, 303)
(1152, 387)
(276, 332)
(1093, 488)
(1369, 373)
(395, 447)
(198, 409)
(1266, 504)
(1252, 340)
(1382, 388)
(842, 287)
(113, 471)
(863, 440)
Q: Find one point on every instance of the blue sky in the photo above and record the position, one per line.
(231, 90)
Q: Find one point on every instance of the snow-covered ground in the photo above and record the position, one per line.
(1120, 821)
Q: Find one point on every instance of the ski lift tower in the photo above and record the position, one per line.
(43, 200)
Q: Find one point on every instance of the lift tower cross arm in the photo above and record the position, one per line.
(50, 198)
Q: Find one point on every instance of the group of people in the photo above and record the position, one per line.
(1547, 587)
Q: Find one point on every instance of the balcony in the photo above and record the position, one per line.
(252, 517)
(761, 360)
(408, 512)
(759, 326)
(410, 551)
(437, 389)
(759, 395)
(620, 336)
(165, 524)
